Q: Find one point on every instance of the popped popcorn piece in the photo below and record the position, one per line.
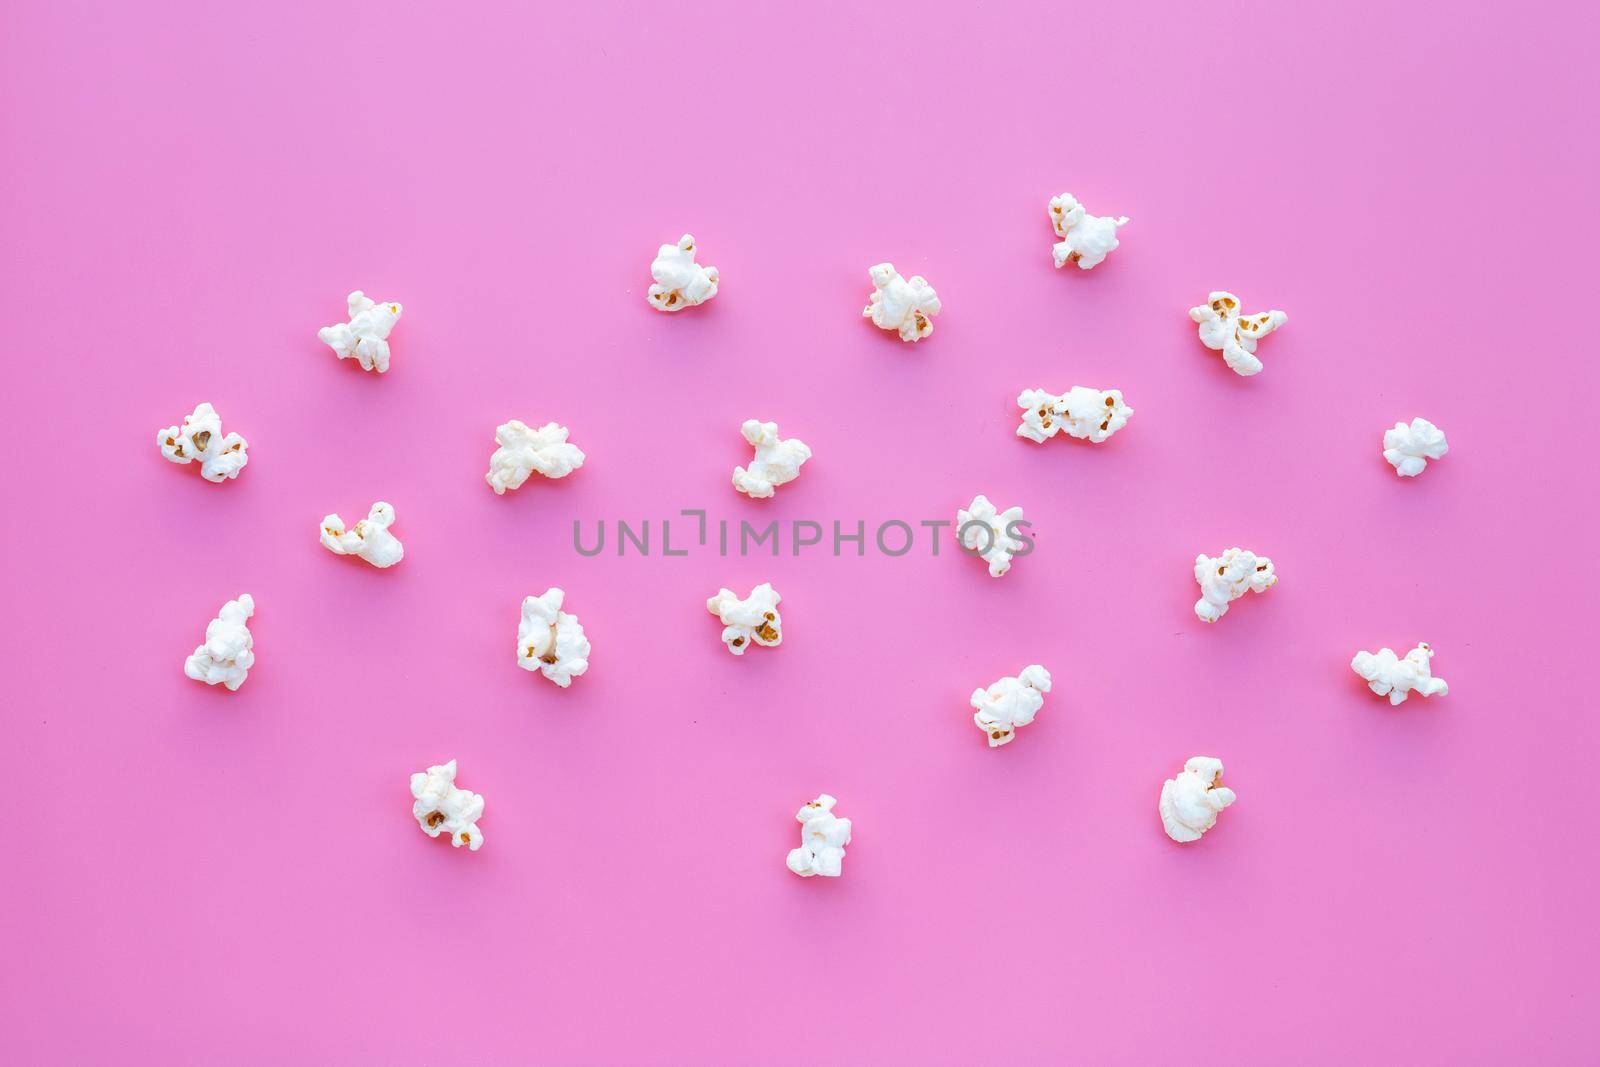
(1087, 414)
(524, 450)
(777, 461)
(1408, 448)
(991, 535)
(1225, 578)
(200, 440)
(369, 538)
(228, 652)
(1389, 675)
(680, 281)
(1190, 802)
(1085, 239)
(550, 640)
(822, 840)
(1224, 329)
(904, 304)
(754, 619)
(441, 808)
(365, 338)
(1010, 703)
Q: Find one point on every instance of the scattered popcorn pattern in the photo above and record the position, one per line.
(1408, 448)
(365, 338)
(680, 281)
(200, 440)
(1225, 578)
(441, 808)
(1010, 703)
(1223, 329)
(1389, 675)
(1087, 414)
(550, 640)
(228, 652)
(905, 305)
(822, 840)
(754, 620)
(368, 539)
(776, 462)
(988, 534)
(1085, 239)
(524, 450)
(1191, 801)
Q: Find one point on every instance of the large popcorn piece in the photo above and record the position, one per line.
(524, 450)
(227, 655)
(365, 337)
(1010, 703)
(1085, 239)
(1408, 448)
(1087, 414)
(754, 620)
(905, 305)
(1223, 329)
(991, 534)
(200, 440)
(1225, 578)
(369, 539)
(1190, 802)
(441, 808)
(1390, 676)
(551, 641)
(777, 461)
(822, 840)
(680, 281)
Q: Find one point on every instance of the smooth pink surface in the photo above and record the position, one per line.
(194, 875)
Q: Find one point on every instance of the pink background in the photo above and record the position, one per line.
(194, 875)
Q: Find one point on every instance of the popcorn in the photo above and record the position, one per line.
(901, 304)
(200, 440)
(1225, 578)
(777, 461)
(1010, 703)
(550, 640)
(822, 840)
(753, 619)
(441, 808)
(1190, 802)
(1408, 448)
(524, 450)
(680, 281)
(1085, 239)
(1389, 675)
(1081, 412)
(991, 535)
(365, 337)
(227, 654)
(369, 539)
(1223, 329)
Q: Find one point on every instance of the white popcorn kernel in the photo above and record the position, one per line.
(1408, 448)
(822, 840)
(441, 808)
(752, 620)
(1085, 239)
(200, 440)
(524, 450)
(365, 338)
(228, 652)
(680, 281)
(1087, 414)
(1227, 577)
(369, 538)
(907, 305)
(1224, 329)
(1190, 802)
(990, 534)
(1389, 675)
(1010, 703)
(550, 640)
(776, 462)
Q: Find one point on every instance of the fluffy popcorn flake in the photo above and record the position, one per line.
(1085, 239)
(441, 808)
(200, 440)
(1408, 448)
(1225, 578)
(680, 282)
(1223, 328)
(550, 640)
(365, 338)
(990, 534)
(1190, 802)
(776, 462)
(368, 539)
(1088, 414)
(754, 620)
(1397, 678)
(906, 305)
(523, 451)
(1010, 703)
(228, 652)
(822, 839)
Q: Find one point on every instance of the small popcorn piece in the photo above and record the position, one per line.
(365, 338)
(524, 451)
(368, 539)
(1088, 414)
(680, 282)
(1225, 578)
(1389, 675)
(776, 461)
(550, 640)
(1010, 703)
(200, 440)
(906, 305)
(822, 840)
(1190, 802)
(754, 620)
(991, 535)
(1223, 329)
(1408, 448)
(228, 652)
(441, 808)
(1085, 239)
